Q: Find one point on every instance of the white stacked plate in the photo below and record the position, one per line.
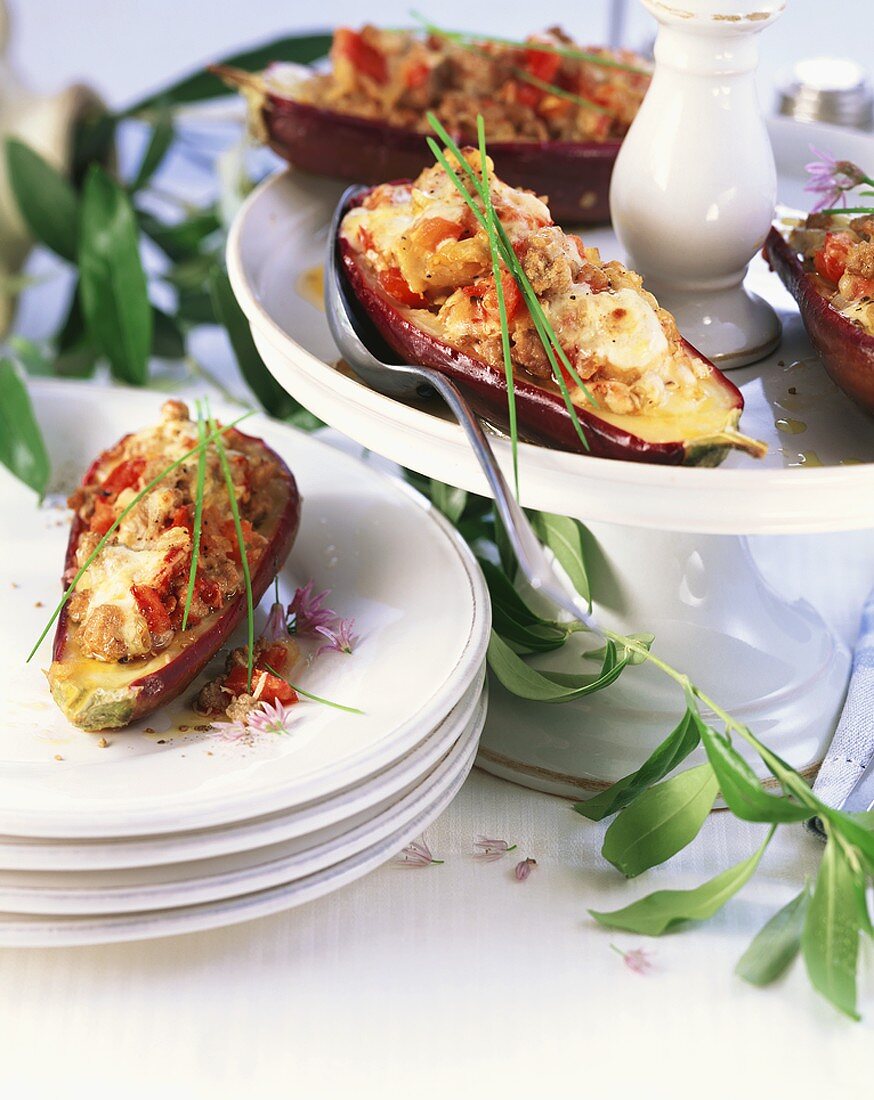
(163, 827)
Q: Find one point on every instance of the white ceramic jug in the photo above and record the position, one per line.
(694, 186)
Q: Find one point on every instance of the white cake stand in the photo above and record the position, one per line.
(669, 550)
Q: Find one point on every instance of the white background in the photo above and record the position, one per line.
(453, 981)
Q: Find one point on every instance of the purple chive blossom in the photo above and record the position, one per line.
(231, 731)
(271, 718)
(638, 959)
(417, 854)
(341, 637)
(307, 610)
(830, 179)
(275, 629)
(488, 849)
(523, 868)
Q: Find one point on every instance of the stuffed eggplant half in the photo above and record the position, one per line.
(420, 265)
(120, 650)
(827, 264)
(555, 122)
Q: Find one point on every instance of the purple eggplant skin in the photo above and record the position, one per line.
(94, 709)
(846, 350)
(575, 175)
(541, 413)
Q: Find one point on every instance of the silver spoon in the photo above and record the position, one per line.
(355, 336)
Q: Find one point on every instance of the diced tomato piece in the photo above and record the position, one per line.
(208, 591)
(366, 237)
(274, 690)
(512, 297)
(831, 260)
(149, 602)
(366, 58)
(486, 292)
(275, 657)
(124, 476)
(182, 517)
(542, 64)
(527, 94)
(416, 74)
(102, 517)
(431, 232)
(397, 287)
(229, 530)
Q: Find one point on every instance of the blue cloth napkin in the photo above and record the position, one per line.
(852, 748)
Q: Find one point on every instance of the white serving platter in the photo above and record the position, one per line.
(819, 479)
(392, 563)
(88, 893)
(124, 853)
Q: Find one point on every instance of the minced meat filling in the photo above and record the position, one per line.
(130, 601)
(427, 253)
(397, 76)
(839, 251)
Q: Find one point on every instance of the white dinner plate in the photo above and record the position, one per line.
(125, 891)
(278, 241)
(392, 562)
(36, 931)
(110, 853)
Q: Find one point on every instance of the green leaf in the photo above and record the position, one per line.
(93, 139)
(854, 829)
(661, 822)
(31, 356)
(200, 85)
(830, 939)
(514, 620)
(22, 449)
(195, 307)
(776, 945)
(76, 354)
(159, 145)
(671, 752)
(505, 551)
(180, 240)
(564, 537)
(47, 202)
(657, 913)
(192, 273)
(114, 293)
(739, 784)
(526, 682)
(262, 383)
(168, 340)
(448, 500)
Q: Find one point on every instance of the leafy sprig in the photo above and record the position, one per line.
(657, 810)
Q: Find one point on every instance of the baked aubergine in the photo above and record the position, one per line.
(419, 264)
(120, 650)
(364, 119)
(827, 264)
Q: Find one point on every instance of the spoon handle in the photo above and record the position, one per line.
(533, 561)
